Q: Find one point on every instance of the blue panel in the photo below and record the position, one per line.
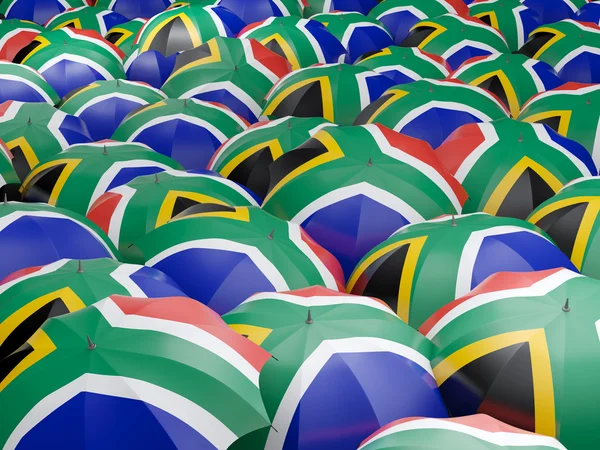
(218, 278)
(64, 76)
(361, 6)
(39, 11)
(573, 147)
(145, 8)
(354, 395)
(590, 12)
(18, 91)
(127, 174)
(463, 54)
(516, 252)
(255, 11)
(399, 24)
(232, 24)
(100, 422)
(224, 97)
(398, 77)
(156, 284)
(584, 68)
(74, 130)
(113, 19)
(331, 47)
(550, 11)
(367, 39)
(378, 85)
(102, 119)
(547, 74)
(151, 67)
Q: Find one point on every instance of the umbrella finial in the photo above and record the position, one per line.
(520, 137)
(566, 307)
(29, 121)
(156, 180)
(453, 220)
(118, 83)
(235, 68)
(79, 267)
(91, 345)
(289, 124)
(5, 198)
(431, 88)
(309, 319)
(105, 152)
(185, 102)
(271, 234)
(588, 101)
(370, 162)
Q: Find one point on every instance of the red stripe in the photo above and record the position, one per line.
(319, 291)
(251, 27)
(436, 58)
(99, 40)
(11, 47)
(330, 262)
(20, 273)
(4, 107)
(470, 61)
(103, 209)
(271, 60)
(459, 145)
(460, 6)
(571, 86)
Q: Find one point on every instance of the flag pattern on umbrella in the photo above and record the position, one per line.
(590, 12)
(509, 168)
(8, 176)
(432, 109)
(180, 364)
(461, 251)
(123, 35)
(38, 11)
(237, 73)
(16, 34)
(263, 9)
(23, 84)
(302, 42)
(150, 66)
(551, 11)
(133, 9)
(87, 18)
(327, 6)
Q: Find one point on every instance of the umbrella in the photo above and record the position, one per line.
(521, 348)
(405, 65)
(550, 11)
(336, 92)
(398, 16)
(185, 26)
(560, 45)
(38, 11)
(590, 12)
(358, 34)
(327, 6)
(513, 78)
(23, 84)
(258, 10)
(342, 367)
(9, 181)
(76, 177)
(87, 18)
(509, 168)
(245, 158)
(133, 9)
(38, 234)
(302, 42)
(149, 67)
(455, 38)
(354, 186)
(189, 130)
(237, 73)
(31, 296)
(220, 255)
(570, 218)
(104, 104)
(69, 58)
(124, 34)
(571, 111)
(477, 432)
(16, 34)
(431, 110)
(130, 373)
(424, 266)
(34, 132)
(511, 17)
(129, 212)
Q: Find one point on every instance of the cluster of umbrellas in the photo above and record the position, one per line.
(299, 224)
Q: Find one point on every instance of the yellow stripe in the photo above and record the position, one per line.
(166, 210)
(397, 94)
(189, 26)
(287, 50)
(273, 145)
(70, 166)
(215, 57)
(126, 34)
(254, 333)
(326, 96)
(44, 43)
(583, 234)
(76, 22)
(81, 91)
(563, 125)
(555, 206)
(511, 95)
(30, 156)
(492, 16)
(384, 52)
(557, 37)
(438, 30)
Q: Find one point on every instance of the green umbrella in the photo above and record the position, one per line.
(76, 177)
(424, 266)
(123, 35)
(509, 168)
(128, 212)
(94, 18)
(521, 347)
(245, 158)
(133, 373)
(22, 83)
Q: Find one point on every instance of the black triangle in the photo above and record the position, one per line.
(528, 192)
(40, 186)
(563, 225)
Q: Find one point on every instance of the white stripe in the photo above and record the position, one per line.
(363, 88)
(28, 83)
(311, 367)
(316, 46)
(122, 275)
(11, 112)
(76, 59)
(22, 67)
(104, 45)
(49, 268)
(69, 10)
(577, 181)
(8, 36)
(579, 91)
(476, 89)
(419, 54)
(579, 50)
(445, 218)
(519, 23)
(353, 26)
(411, 9)
(490, 138)
(217, 22)
(529, 66)
(100, 17)
(257, 65)
(477, 25)
(183, 117)
(54, 128)
(282, 8)
(468, 43)
(116, 220)
(176, 405)
(112, 95)
(465, 67)
(228, 86)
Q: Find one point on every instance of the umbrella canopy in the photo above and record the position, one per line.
(405, 65)
(358, 34)
(590, 12)
(571, 219)
(351, 187)
(570, 110)
(87, 18)
(189, 130)
(133, 9)
(477, 432)
(509, 168)
(327, 6)
(38, 11)
(8, 175)
(34, 132)
(31, 296)
(16, 35)
(302, 42)
(34, 234)
(258, 10)
(511, 17)
(551, 11)
(342, 366)
(398, 16)
(150, 67)
(519, 348)
(184, 26)
(76, 177)
(207, 250)
(128, 212)
(455, 38)
(104, 104)
(23, 84)
(425, 266)
(245, 158)
(237, 73)
(513, 78)
(560, 45)
(431, 110)
(158, 374)
(124, 34)
(69, 58)
(335, 92)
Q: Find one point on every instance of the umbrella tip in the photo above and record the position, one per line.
(370, 162)
(156, 180)
(5, 198)
(105, 152)
(453, 220)
(588, 101)
(271, 234)
(235, 68)
(118, 83)
(309, 319)
(29, 121)
(566, 307)
(185, 102)
(91, 345)
(431, 88)
(79, 266)
(521, 137)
